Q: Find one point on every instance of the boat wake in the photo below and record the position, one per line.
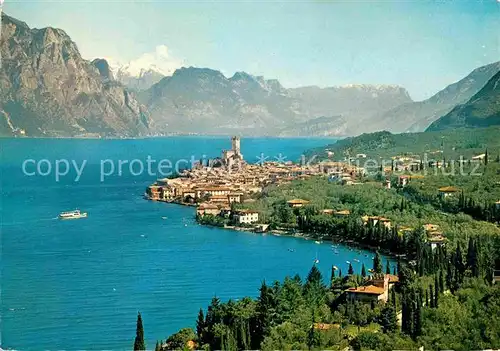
(30, 221)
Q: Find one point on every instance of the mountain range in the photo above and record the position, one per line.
(48, 89)
(203, 100)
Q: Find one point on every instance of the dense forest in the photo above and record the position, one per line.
(452, 306)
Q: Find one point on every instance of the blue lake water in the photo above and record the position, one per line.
(79, 284)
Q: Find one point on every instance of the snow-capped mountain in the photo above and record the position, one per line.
(148, 69)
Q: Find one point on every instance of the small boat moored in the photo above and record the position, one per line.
(72, 215)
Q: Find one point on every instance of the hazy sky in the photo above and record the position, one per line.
(420, 45)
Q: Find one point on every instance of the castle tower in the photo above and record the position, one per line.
(235, 146)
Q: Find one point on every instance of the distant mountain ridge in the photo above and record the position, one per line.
(47, 89)
(482, 110)
(417, 116)
(203, 100)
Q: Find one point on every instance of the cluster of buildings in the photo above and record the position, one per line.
(229, 179)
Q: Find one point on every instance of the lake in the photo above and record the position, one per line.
(79, 284)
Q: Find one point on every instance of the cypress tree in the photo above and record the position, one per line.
(441, 281)
(377, 264)
(427, 298)
(363, 270)
(449, 276)
(436, 283)
(393, 297)
(312, 337)
(265, 311)
(157, 346)
(351, 270)
(340, 273)
(459, 265)
(139, 344)
(388, 268)
(431, 296)
(436, 296)
(200, 326)
(417, 330)
(486, 157)
(472, 258)
(470, 253)
(407, 314)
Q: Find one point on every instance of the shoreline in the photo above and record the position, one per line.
(334, 239)
(308, 237)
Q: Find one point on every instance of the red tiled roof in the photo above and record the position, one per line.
(366, 289)
(393, 278)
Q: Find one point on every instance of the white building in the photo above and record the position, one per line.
(246, 216)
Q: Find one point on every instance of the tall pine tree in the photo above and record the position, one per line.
(351, 270)
(459, 265)
(265, 312)
(377, 263)
(436, 296)
(139, 344)
(200, 326)
(441, 281)
(431, 296)
(417, 330)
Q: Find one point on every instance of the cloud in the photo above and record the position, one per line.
(159, 60)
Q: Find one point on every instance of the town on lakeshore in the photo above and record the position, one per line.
(223, 187)
(228, 180)
(415, 210)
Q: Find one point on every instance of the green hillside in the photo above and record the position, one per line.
(482, 110)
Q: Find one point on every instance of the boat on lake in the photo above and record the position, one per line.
(76, 214)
